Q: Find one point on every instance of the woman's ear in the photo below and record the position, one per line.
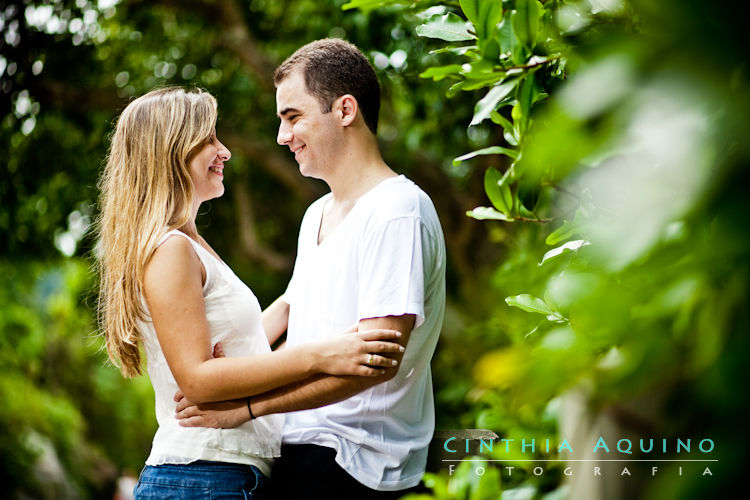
(346, 106)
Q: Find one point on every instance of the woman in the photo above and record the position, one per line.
(164, 286)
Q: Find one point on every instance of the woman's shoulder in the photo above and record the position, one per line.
(173, 260)
(174, 241)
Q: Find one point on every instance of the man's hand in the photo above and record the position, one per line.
(221, 415)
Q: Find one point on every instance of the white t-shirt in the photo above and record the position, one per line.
(385, 258)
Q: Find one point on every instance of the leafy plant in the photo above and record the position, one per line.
(625, 158)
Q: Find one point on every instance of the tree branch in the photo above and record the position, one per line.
(275, 163)
(248, 240)
(239, 40)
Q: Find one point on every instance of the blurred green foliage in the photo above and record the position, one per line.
(628, 156)
(605, 139)
(69, 420)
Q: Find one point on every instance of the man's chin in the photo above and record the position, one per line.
(308, 172)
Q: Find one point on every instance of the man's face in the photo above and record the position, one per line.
(310, 134)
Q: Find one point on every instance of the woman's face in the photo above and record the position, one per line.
(207, 170)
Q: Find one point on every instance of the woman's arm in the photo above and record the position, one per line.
(173, 292)
(316, 391)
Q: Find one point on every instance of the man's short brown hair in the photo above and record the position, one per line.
(331, 68)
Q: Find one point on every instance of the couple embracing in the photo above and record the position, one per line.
(337, 411)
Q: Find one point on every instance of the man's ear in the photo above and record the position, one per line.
(346, 106)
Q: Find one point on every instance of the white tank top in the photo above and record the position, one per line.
(234, 317)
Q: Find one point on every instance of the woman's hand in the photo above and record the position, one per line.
(366, 353)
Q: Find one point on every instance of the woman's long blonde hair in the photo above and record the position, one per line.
(146, 190)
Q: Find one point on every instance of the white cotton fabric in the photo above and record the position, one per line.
(233, 315)
(386, 258)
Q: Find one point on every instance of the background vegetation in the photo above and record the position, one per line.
(601, 143)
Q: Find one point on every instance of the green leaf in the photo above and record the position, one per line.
(368, 4)
(477, 81)
(480, 69)
(505, 36)
(459, 51)
(550, 300)
(529, 303)
(470, 9)
(511, 137)
(490, 13)
(526, 21)
(497, 191)
(571, 246)
(455, 88)
(499, 119)
(431, 11)
(490, 50)
(447, 27)
(440, 72)
(492, 150)
(525, 212)
(484, 15)
(485, 213)
(562, 233)
(525, 97)
(489, 102)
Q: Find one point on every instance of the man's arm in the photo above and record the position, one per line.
(325, 390)
(275, 319)
(310, 393)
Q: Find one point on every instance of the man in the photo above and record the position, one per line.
(370, 253)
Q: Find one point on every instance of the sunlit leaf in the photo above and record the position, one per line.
(492, 150)
(487, 213)
(571, 246)
(447, 27)
(511, 137)
(529, 303)
(489, 102)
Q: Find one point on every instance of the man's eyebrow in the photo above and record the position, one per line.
(287, 111)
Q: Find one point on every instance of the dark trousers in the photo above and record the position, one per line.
(309, 471)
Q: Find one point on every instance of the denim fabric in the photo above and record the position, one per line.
(201, 481)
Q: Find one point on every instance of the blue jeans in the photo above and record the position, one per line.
(201, 481)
